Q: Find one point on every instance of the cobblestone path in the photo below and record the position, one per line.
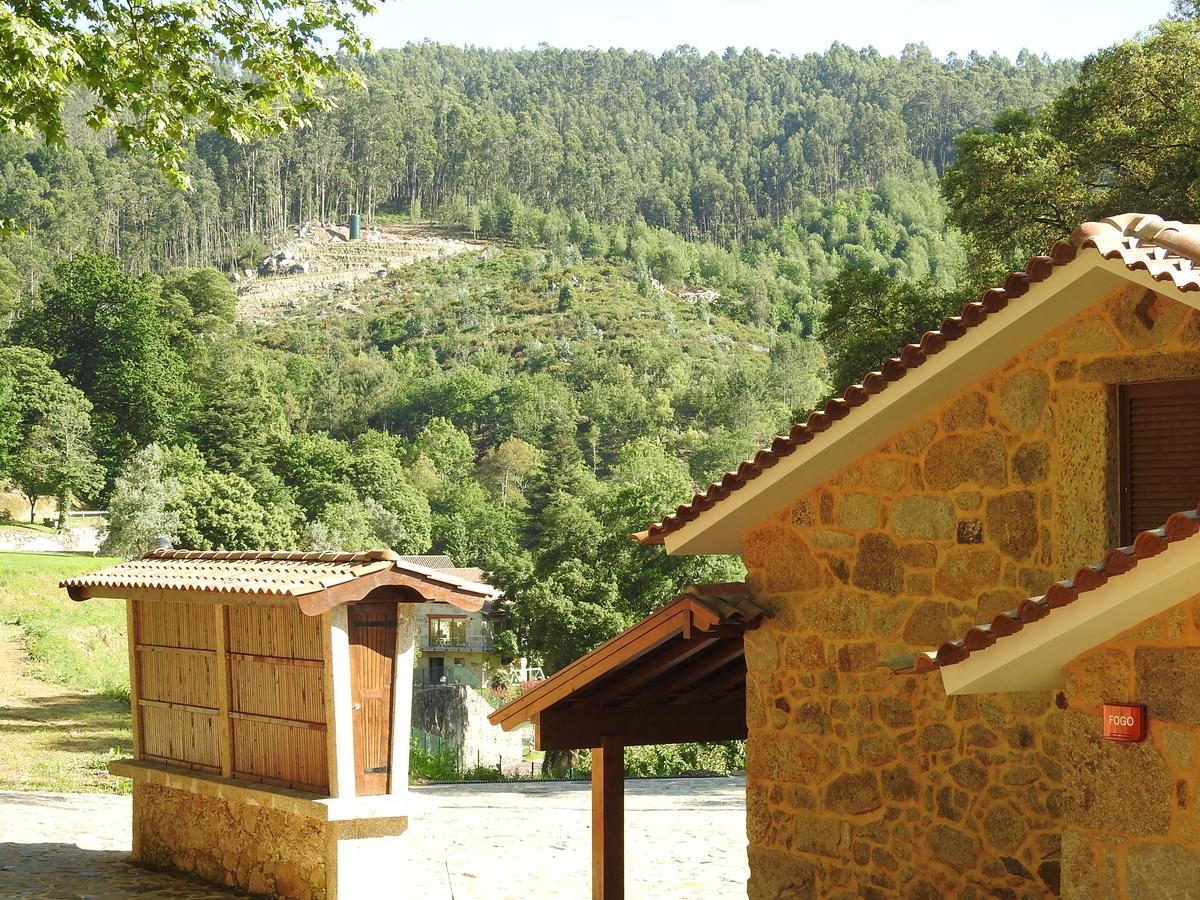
(685, 838)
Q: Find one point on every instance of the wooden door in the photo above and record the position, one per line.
(372, 660)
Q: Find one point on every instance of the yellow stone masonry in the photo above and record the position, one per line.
(864, 783)
(1130, 826)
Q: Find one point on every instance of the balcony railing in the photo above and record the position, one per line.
(469, 644)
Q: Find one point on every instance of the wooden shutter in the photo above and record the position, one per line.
(1160, 452)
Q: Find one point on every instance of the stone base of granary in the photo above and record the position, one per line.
(267, 841)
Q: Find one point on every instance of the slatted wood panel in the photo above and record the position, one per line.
(177, 683)
(274, 631)
(372, 657)
(167, 624)
(182, 736)
(282, 754)
(276, 670)
(1160, 452)
(178, 676)
(277, 688)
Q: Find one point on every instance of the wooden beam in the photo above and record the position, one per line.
(159, 648)
(570, 729)
(732, 675)
(620, 650)
(684, 678)
(278, 660)
(278, 720)
(163, 704)
(135, 692)
(224, 726)
(642, 672)
(608, 819)
(685, 613)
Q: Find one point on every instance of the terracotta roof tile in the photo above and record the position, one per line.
(1116, 562)
(1169, 251)
(278, 573)
(731, 601)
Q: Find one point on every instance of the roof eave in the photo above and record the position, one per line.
(1074, 287)
(1033, 658)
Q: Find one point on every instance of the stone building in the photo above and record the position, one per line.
(1052, 420)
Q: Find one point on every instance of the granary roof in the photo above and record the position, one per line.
(678, 675)
(318, 580)
(1142, 248)
(1116, 599)
(446, 564)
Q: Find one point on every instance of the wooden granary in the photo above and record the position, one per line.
(271, 696)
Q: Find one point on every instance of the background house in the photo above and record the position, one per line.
(456, 646)
(1048, 422)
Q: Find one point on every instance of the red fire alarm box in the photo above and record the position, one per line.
(1124, 722)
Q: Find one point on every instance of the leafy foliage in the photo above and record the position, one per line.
(152, 72)
(1124, 137)
(870, 315)
(677, 241)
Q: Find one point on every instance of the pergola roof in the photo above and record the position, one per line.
(678, 675)
(317, 581)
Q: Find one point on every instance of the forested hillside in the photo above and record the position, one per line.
(723, 148)
(684, 255)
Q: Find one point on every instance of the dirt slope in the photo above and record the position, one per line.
(325, 265)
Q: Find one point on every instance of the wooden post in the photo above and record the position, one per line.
(135, 693)
(338, 701)
(608, 820)
(224, 725)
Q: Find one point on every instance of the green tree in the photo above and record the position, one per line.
(154, 74)
(446, 447)
(239, 416)
(871, 315)
(1124, 137)
(505, 467)
(399, 513)
(145, 504)
(219, 511)
(55, 458)
(104, 330)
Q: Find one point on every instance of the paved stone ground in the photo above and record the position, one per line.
(685, 838)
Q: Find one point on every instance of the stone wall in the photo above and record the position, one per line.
(1130, 826)
(863, 783)
(458, 714)
(264, 851)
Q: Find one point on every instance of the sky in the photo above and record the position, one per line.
(1007, 26)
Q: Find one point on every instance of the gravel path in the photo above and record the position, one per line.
(684, 838)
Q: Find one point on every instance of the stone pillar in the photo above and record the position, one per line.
(367, 858)
(339, 705)
(406, 654)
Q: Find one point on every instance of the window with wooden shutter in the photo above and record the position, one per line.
(1160, 452)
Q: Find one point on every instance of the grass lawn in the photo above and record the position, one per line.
(64, 678)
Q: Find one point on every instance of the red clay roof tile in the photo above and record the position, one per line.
(1169, 251)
